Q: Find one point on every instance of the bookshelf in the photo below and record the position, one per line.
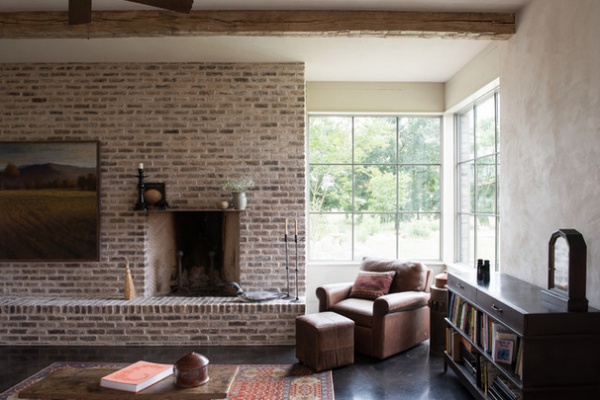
(504, 341)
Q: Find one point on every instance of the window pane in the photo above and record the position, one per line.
(374, 235)
(477, 182)
(466, 187)
(419, 140)
(355, 188)
(466, 235)
(486, 185)
(330, 139)
(485, 127)
(419, 188)
(486, 238)
(419, 236)
(330, 236)
(330, 188)
(374, 140)
(466, 136)
(375, 188)
(498, 124)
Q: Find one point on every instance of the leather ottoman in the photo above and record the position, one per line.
(324, 340)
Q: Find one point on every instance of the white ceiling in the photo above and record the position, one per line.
(327, 58)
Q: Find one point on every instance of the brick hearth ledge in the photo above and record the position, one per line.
(195, 321)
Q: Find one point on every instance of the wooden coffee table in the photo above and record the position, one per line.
(84, 383)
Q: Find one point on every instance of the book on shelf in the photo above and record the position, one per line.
(488, 373)
(506, 389)
(137, 376)
(519, 361)
(503, 351)
(456, 340)
(501, 334)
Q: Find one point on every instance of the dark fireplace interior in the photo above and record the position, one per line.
(201, 250)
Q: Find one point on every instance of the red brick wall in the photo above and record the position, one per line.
(192, 125)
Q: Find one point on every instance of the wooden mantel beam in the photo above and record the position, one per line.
(115, 24)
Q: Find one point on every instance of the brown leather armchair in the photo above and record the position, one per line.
(392, 322)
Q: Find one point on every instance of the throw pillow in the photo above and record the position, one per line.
(371, 285)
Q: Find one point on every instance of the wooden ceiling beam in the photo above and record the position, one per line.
(113, 24)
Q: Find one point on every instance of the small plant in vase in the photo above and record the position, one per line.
(238, 188)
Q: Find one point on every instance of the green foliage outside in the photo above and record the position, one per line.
(374, 185)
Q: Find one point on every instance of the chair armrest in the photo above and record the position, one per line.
(332, 293)
(400, 301)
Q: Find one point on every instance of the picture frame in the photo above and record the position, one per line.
(50, 201)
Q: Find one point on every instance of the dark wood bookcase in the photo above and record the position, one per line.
(555, 353)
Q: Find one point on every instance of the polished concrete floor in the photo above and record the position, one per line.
(414, 374)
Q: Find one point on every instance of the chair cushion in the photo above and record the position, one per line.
(358, 310)
(410, 276)
(371, 285)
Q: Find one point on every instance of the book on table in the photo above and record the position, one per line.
(137, 376)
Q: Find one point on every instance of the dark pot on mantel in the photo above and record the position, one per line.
(191, 370)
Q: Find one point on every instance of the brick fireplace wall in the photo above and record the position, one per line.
(192, 125)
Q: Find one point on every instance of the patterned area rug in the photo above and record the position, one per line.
(253, 382)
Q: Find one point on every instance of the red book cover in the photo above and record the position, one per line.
(137, 376)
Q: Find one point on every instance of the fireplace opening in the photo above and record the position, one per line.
(198, 250)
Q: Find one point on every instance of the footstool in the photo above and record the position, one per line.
(324, 340)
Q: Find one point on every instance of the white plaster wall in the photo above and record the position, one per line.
(412, 97)
(467, 83)
(550, 140)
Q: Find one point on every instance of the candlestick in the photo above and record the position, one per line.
(296, 226)
(141, 203)
(286, 227)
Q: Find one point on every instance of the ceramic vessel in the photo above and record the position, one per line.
(223, 205)
(191, 370)
(239, 200)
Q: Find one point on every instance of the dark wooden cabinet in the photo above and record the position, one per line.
(555, 353)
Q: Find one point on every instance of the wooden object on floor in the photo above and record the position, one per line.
(84, 383)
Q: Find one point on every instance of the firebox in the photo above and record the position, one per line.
(194, 253)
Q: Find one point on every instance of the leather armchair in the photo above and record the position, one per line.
(391, 323)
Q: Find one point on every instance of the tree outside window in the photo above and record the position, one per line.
(374, 187)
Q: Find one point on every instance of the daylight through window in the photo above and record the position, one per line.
(477, 176)
(374, 187)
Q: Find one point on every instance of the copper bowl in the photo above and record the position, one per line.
(191, 370)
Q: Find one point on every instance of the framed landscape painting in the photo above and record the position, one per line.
(49, 201)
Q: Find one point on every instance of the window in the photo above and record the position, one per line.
(374, 187)
(478, 155)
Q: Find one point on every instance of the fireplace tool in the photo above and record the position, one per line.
(287, 263)
(297, 299)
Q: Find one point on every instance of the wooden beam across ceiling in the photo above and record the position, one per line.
(114, 24)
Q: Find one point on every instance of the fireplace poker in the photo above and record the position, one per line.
(287, 262)
(287, 268)
(297, 299)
